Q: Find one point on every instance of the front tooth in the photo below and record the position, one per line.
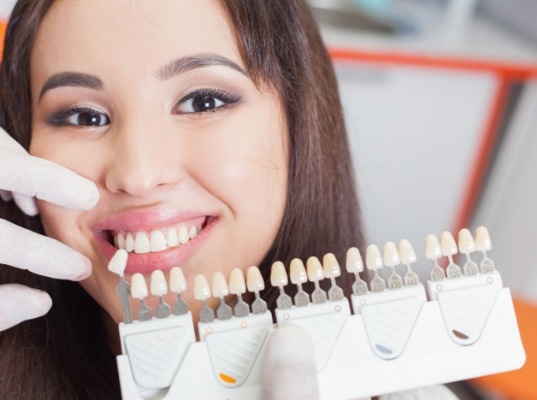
(158, 283)
(172, 240)
(157, 241)
(183, 235)
(129, 242)
(120, 240)
(141, 243)
(192, 232)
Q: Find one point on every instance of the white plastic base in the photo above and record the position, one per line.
(396, 340)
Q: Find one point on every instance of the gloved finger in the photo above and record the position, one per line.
(289, 370)
(20, 303)
(27, 204)
(46, 180)
(24, 249)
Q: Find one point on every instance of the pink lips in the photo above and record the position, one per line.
(147, 221)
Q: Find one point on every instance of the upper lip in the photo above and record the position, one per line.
(147, 220)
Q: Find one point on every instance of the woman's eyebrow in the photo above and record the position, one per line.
(184, 64)
(71, 79)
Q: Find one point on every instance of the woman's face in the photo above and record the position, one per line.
(151, 101)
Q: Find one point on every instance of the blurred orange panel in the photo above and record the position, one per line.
(3, 25)
(518, 385)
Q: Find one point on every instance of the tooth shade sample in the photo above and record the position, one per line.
(373, 259)
(219, 285)
(278, 275)
(158, 283)
(331, 267)
(447, 243)
(391, 256)
(157, 241)
(432, 247)
(482, 239)
(118, 262)
(254, 280)
(315, 269)
(141, 243)
(138, 286)
(406, 252)
(466, 242)
(297, 271)
(177, 280)
(354, 263)
(201, 288)
(237, 285)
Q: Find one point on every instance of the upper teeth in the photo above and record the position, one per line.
(154, 241)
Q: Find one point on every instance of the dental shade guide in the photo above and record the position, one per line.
(394, 339)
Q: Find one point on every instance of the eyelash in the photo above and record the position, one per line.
(209, 96)
(212, 99)
(61, 118)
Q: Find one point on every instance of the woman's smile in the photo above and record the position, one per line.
(189, 153)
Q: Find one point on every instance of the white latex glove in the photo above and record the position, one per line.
(24, 178)
(289, 370)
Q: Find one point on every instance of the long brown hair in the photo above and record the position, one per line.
(63, 355)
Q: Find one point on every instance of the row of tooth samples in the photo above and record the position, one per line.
(434, 249)
(237, 286)
(154, 241)
(314, 271)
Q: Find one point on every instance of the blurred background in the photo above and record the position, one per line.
(441, 105)
(440, 98)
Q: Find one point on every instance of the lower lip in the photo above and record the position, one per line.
(162, 260)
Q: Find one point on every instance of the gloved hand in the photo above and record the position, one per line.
(289, 370)
(24, 178)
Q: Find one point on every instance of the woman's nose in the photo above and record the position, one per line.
(142, 163)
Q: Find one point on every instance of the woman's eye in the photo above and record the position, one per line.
(204, 101)
(83, 117)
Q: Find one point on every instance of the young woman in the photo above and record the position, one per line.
(218, 118)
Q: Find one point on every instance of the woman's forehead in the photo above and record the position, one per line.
(80, 33)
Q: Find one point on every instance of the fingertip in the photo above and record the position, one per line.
(42, 302)
(87, 195)
(27, 204)
(82, 270)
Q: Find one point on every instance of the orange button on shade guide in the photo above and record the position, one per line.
(519, 384)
